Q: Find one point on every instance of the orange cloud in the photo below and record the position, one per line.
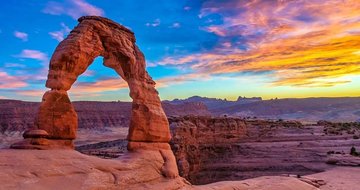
(297, 43)
(85, 89)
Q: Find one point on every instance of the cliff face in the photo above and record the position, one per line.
(211, 149)
(199, 142)
(18, 115)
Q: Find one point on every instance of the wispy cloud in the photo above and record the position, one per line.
(21, 35)
(297, 43)
(72, 8)
(155, 23)
(14, 65)
(175, 25)
(10, 82)
(33, 54)
(101, 85)
(84, 89)
(60, 35)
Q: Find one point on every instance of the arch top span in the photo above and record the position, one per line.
(97, 36)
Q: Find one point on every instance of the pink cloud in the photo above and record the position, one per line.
(21, 35)
(84, 88)
(60, 35)
(11, 82)
(74, 9)
(34, 54)
(220, 31)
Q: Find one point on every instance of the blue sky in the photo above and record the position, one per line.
(224, 49)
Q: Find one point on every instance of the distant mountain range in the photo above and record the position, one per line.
(342, 109)
(17, 115)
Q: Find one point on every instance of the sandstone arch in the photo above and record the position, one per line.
(92, 37)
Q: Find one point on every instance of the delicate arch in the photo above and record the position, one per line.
(93, 37)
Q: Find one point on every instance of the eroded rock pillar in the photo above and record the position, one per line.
(57, 116)
(148, 120)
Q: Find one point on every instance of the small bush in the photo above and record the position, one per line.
(353, 152)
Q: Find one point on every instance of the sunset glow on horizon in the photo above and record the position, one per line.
(222, 49)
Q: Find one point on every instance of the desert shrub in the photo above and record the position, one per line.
(353, 152)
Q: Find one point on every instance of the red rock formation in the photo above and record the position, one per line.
(93, 37)
(96, 36)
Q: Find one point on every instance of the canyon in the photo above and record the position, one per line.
(211, 149)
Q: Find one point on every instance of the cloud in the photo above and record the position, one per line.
(10, 82)
(187, 8)
(100, 86)
(175, 25)
(21, 35)
(84, 89)
(295, 43)
(155, 23)
(60, 35)
(14, 65)
(191, 77)
(3, 97)
(72, 8)
(34, 93)
(33, 54)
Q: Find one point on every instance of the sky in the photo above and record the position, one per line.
(212, 48)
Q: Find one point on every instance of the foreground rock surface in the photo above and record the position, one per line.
(68, 169)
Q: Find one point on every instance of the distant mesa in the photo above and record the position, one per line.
(249, 99)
